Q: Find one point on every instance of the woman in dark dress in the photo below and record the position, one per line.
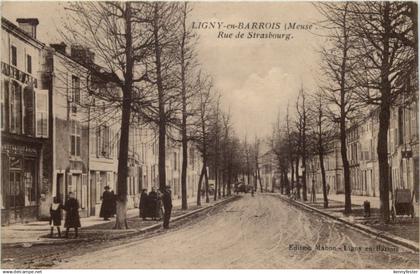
(143, 204)
(107, 207)
(72, 214)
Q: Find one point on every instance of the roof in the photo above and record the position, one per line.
(7, 25)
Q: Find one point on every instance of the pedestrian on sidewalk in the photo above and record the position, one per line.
(313, 194)
(153, 203)
(72, 215)
(107, 207)
(55, 216)
(167, 205)
(143, 203)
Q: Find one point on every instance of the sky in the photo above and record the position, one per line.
(257, 78)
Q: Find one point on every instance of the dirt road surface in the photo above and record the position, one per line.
(253, 232)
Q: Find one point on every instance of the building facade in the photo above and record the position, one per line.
(25, 129)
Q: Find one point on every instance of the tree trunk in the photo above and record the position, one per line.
(162, 115)
(184, 167)
(304, 186)
(292, 175)
(216, 182)
(206, 178)
(384, 117)
(121, 219)
(297, 178)
(324, 181)
(184, 115)
(200, 184)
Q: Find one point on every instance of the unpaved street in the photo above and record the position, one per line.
(253, 232)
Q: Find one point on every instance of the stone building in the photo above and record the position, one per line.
(25, 123)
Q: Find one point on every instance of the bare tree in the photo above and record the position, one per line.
(387, 65)
(109, 29)
(302, 126)
(187, 63)
(323, 134)
(338, 60)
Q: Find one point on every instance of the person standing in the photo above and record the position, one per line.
(55, 216)
(153, 201)
(72, 215)
(167, 205)
(107, 206)
(143, 203)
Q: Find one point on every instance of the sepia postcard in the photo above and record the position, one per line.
(209, 135)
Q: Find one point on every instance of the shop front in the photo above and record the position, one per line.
(20, 181)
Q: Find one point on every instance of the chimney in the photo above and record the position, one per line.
(82, 55)
(59, 47)
(28, 25)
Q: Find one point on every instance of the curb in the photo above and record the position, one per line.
(132, 232)
(360, 227)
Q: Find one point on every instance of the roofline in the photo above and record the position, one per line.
(8, 25)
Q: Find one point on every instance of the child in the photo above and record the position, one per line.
(55, 216)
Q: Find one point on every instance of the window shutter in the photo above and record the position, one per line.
(106, 141)
(5, 105)
(84, 190)
(41, 116)
(29, 114)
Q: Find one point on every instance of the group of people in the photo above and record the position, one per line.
(71, 206)
(108, 209)
(150, 204)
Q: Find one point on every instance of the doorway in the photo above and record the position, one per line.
(60, 187)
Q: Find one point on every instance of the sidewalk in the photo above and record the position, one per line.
(92, 227)
(404, 231)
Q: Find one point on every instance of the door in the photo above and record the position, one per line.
(16, 197)
(60, 187)
(92, 182)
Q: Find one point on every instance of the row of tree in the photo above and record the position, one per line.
(369, 62)
(145, 71)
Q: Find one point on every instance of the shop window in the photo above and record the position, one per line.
(75, 137)
(28, 64)
(15, 108)
(14, 56)
(41, 97)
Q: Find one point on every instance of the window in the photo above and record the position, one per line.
(93, 142)
(400, 126)
(41, 97)
(15, 108)
(75, 138)
(28, 64)
(103, 141)
(14, 56)
(75, 87)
